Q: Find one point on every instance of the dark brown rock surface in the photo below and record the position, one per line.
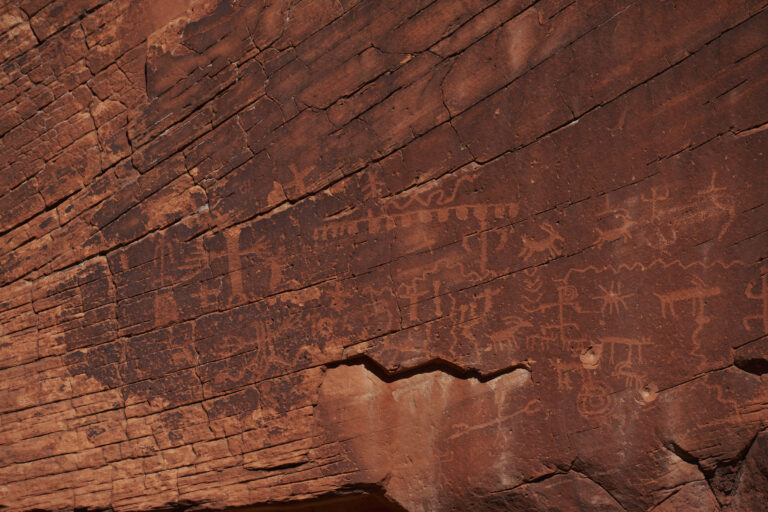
(384, 255)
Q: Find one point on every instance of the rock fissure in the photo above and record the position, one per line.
(433, 365)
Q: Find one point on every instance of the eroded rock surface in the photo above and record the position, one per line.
(384, 255)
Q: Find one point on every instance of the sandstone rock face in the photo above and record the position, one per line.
(384, 255)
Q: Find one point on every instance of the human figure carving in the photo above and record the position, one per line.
(721, 201)
(656, 196)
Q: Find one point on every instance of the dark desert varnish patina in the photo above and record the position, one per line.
(342, 255)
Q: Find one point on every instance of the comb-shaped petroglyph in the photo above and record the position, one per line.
(762, 296)
(437, 206)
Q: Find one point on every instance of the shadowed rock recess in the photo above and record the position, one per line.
(384, 255)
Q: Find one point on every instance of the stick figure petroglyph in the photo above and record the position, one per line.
(722, 201)
(566, 298)
(662, 234)
(656, 196)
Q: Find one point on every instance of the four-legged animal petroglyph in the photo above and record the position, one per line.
(619, 232)
(696, 294)
(547, 245)
(631, 378)
(633, 346)
(508, 334)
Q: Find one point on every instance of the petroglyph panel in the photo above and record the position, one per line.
(399, 256)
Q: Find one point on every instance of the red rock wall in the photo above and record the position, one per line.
(384, 255)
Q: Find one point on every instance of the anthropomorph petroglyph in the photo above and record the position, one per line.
(721, 201)
(563, 327)
(655, 197)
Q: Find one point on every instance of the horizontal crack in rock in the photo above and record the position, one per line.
(433, 365)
